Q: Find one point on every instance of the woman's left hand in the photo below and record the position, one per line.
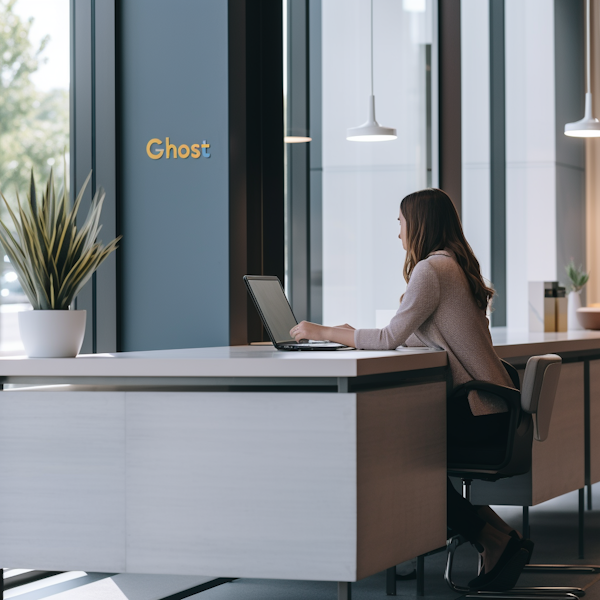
(307, 331)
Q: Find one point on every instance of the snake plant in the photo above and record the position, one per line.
(52, 258)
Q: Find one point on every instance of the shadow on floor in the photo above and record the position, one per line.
(553, 528)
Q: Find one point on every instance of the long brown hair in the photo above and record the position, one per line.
(432, 223)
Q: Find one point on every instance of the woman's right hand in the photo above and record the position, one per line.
(346, 326)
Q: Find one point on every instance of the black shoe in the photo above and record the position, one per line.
(506, 573)
(525, 544)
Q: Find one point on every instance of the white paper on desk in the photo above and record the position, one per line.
(417, 348)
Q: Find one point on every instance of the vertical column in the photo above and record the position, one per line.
(298, 155)
(569, 36)
(93, 148)
(450, 100)
(105, 168)
(592, 168)
(316, 162)
(498, 160)
(81, 117)
(256, 209)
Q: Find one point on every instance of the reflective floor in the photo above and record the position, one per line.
(553, 528)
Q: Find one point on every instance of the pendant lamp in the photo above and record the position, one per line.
(297, 136)
(371, 130)
(588, 126)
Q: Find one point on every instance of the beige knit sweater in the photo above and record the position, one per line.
(439, 311)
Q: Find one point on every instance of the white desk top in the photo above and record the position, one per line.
(266, 361)
(509, 343)
(232, 361)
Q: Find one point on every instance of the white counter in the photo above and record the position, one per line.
(266, 361)
(509, 343)
(232, 361)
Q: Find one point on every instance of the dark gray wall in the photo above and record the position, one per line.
(174, 290)
(570, 152)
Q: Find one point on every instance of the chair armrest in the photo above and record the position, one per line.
(512, 373)
(510, 395)
(517, 417)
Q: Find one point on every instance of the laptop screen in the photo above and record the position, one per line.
(273, 305)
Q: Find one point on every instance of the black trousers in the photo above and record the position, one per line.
(468, 433)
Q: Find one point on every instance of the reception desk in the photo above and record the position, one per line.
(250, 462)
(232, 462)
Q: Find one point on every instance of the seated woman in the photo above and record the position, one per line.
(444, 307)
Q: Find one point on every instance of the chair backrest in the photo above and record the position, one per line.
(539, 390)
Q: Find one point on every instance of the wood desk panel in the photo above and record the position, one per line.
(594, 421)
(399, 517)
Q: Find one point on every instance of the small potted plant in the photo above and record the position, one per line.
(577, 278)
(53, 260)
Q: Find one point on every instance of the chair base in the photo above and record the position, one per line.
(575, 569)
(516, 595)
(525, 593)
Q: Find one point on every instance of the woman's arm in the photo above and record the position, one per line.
(343, 334)
(420, 301)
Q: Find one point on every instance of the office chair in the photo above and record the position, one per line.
(530, 411)
(530, 415)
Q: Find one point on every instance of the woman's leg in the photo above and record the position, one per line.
(463, 519)
(479, 524)
(489, 516)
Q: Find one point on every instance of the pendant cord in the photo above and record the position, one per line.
(589, 18)
(372, 47)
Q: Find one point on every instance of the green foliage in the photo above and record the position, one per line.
(577, 276)
(34, 125)
(51, 257)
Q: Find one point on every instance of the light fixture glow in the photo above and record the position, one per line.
(418, 6)
(588, 126)
(296, 139)
(371, 130)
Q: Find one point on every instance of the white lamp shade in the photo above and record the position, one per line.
(588, 126)
(297, 135)
(296, 139)
(371, 130)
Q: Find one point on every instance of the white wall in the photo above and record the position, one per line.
(363, 183)
(530, 151)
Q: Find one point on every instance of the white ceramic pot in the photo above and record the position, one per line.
(52, 333)
(574, 303)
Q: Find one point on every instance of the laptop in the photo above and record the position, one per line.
(277, 316)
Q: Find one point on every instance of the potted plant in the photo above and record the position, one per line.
(53, 260)
(578, 278)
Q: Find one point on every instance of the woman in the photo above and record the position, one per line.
(444, 307)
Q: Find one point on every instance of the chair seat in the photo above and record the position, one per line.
(487, 457)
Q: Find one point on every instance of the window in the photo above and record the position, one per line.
(34, 121)
(343, 197)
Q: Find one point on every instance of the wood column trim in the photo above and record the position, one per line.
(450, 100)
(256, 194)
(592, 169)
